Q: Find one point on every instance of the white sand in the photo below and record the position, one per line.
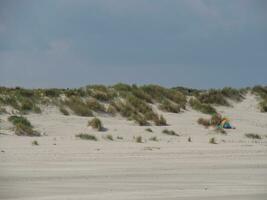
(64, 167)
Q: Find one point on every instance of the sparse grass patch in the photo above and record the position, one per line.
(2, 110)
(170, 132)
(213, 96)
(111, 110)
(202, 107)
(119, 137)
(85, 136)
(160, 121)
(96, 123)
(253, 136)
(14, 119)
(212, 140)
(23, 130)
(154, 138)
(35, 143)
(23, 127)
(263, 105)
(149, 130)
(63, 110)
(78, 106)
(139, 139)
(93, 104)
(169, 107)
(262, 92)
(215, 120)
(110, 137)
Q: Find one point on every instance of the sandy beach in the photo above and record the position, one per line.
(65, 167)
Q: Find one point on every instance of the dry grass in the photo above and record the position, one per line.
(202, 107)
(149, 130)
(253, 136)
(170, 132)
(63, 110)
(35, 143)
(154, 138)
(78, 106)
(96, 123)
(212, 140)
(23, 130)
(110, 137)
(85, 136)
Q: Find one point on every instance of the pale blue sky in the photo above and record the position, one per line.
(194, 43)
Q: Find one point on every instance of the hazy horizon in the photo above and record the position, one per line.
(190, 43)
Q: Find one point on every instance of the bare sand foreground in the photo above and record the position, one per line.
(64, 167)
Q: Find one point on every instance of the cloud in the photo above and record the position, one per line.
(57, 42)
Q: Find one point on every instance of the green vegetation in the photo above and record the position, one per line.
(253, 136)
(2, 110)
(14, 119)
(213, 121)
(168, 106)
(35, 143)
(160, 121)
(219, 97)
(23, 127)
(94, 105)
(78, 106)
(262, 92)
(201, 107)
(119, 138)
(154, 138)
(170, 132)
(85, 136)
(139, 139)
(96, 123)
(109, 137)
(23, 130)
(149, 130)
(63, 110)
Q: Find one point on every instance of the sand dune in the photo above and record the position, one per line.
(64, 167)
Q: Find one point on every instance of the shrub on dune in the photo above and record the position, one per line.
(160, 121)
(78, 106)
(14, 119)
(63, 110)
(111, 109)
(169, 107)
(93, 104)
(202, 107)
(96, 123)
(23, 130)
(23, 127)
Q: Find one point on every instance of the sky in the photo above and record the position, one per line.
(191, 43)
